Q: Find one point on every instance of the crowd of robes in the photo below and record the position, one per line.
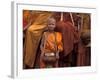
(76, 45)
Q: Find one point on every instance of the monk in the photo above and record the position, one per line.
(51, 45)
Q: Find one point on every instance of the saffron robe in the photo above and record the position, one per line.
(52, 42)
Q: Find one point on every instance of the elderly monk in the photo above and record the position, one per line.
(33, 36)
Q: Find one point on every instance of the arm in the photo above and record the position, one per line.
(42, 44)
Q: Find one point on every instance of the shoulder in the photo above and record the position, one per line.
(44, 34)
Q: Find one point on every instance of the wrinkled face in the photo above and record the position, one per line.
(51, 24)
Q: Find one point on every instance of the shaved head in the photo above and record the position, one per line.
(51, 19)
(51, 23)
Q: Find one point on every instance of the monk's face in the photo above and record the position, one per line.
(51, 24)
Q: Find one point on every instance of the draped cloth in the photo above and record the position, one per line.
(70, 42)
(70, 37)
(33, 36)
(53, 42)
(69, 34)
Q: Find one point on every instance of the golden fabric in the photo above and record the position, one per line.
(33, 36)
(53, 41)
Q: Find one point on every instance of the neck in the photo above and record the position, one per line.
(51, 30)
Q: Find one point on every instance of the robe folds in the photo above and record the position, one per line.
(52, 42)
(70, 38)
(69, 34)
(33, 36)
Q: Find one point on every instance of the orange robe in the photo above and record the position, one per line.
(50, 40)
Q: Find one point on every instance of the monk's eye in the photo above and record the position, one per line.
(52, 24)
